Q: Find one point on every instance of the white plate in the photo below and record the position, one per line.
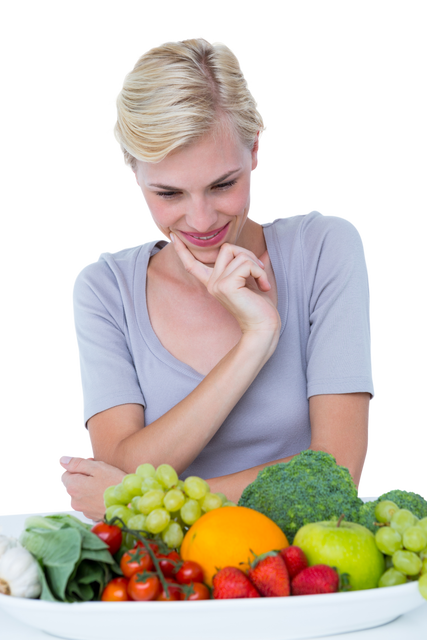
(247, 619)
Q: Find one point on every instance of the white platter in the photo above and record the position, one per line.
(290, 618)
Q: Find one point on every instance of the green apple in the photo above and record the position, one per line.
(348, 546)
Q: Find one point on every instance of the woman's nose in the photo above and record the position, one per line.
(200, 214)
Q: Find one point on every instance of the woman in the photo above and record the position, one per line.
(235, 345)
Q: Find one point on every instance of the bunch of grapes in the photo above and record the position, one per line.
(402, 537)
(155, 501)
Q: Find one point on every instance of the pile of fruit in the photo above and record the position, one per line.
(240, 552)
(167, 539)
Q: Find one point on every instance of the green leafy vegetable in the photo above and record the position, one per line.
(75, 565)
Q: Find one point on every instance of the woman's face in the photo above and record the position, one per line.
(201, 192)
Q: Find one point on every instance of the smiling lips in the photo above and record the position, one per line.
(202, 236)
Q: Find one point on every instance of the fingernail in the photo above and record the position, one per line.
(172, 237)
(261, 262)
(65, 460)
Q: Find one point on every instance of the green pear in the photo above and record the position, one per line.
(347, 546)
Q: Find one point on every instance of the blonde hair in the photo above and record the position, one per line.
(179, 92)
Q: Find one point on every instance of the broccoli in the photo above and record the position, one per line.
(404, 500)
(309, 488)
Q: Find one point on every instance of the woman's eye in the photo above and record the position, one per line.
(167, 195)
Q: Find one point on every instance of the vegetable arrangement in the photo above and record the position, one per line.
(164, 539)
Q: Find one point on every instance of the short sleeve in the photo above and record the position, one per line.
(338, 348)
(108, 373)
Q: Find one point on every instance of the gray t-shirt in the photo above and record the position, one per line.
(324, 345)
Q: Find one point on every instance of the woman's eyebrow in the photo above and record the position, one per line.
(217, 181)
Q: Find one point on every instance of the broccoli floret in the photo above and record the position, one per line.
(404, 500)
(309, 488)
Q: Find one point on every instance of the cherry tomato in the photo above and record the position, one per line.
(116, 590)
(175, 592)
(200, 592)
(169, 562)
(189, 572)
(134, 560)
(143, 587)
(153, 546)
(110, 534)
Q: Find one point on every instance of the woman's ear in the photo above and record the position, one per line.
(255, 151)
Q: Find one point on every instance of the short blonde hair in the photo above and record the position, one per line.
(177, 93)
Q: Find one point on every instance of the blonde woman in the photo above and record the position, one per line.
(230, 345)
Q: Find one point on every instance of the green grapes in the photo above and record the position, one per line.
(119, 511)
(132, 484)
(391, 577)
(109, 498)
(166, 475)
(407, 562)
(121, 495)
(191, 511)
(157, 520)
(385, 510)
(423, 524)
(403, 540)
(388, 540)
(174, 500)
(137, 522)
(402, 520)
(195, 487)
(152, 499)
(150, 483)
(157, 502)
(210, 502)
(414, 539)
(173, 535)
(146, 470)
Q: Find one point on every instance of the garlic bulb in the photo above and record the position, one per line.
(7, 543)
(19, 575)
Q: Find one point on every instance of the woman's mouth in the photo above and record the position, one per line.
(207, 239)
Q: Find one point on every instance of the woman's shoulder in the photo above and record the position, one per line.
(120, 264)
(312, 220)
(314, 233)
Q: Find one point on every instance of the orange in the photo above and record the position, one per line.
(226, 537)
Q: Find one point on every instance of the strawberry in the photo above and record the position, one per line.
(270, 576)
(231, 582)
(295, 560)
(316, 579)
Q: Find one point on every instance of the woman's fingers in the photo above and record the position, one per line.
(75, 463)
(231, 258)
(228, 255)
(86, 480)
(201, 271)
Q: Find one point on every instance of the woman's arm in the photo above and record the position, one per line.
(339, 426)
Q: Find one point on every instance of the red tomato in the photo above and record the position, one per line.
(200, 592)
(144, 588)
(175, 592)
(110, 534)
(134, 560)
(189, 572)
(153, 546)
(116, 590)
(168, 562)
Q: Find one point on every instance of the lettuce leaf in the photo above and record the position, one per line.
(75, 564)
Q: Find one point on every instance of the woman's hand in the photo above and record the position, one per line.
(85, 481)
(239, 282)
